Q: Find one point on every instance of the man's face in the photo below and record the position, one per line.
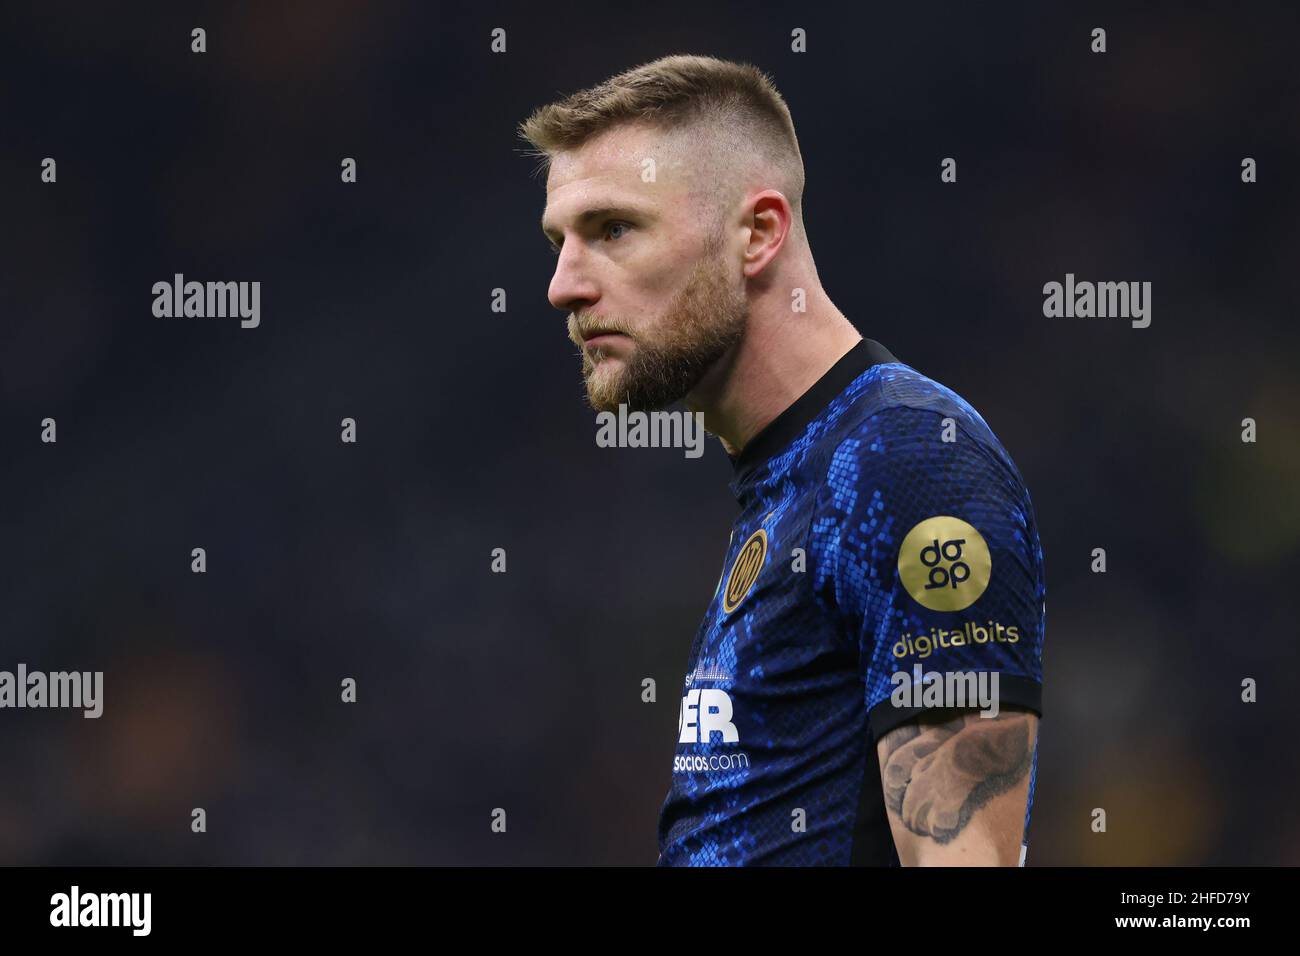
(643, 270)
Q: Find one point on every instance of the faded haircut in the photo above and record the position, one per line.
(729, 115)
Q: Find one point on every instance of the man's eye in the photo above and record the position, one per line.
(615, 225)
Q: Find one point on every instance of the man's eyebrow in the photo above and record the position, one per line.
(601, 212)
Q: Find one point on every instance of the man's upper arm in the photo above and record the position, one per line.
(956, 786)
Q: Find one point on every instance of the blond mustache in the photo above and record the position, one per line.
(584, 328)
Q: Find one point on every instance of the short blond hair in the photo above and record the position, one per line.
(731, 111)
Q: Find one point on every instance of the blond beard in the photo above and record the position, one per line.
(700, 325)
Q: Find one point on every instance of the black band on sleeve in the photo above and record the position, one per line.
(1013, 691)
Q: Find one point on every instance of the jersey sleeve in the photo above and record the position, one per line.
(926, 547)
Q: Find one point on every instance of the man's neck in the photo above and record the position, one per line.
(780, 358)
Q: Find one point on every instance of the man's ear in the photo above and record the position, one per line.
(769, 220)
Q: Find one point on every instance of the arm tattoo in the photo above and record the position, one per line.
(936, 775)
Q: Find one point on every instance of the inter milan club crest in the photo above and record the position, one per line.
(745, 571)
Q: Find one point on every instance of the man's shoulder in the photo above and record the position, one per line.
(896, 408)
(912, 451)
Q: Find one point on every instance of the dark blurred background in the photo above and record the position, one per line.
(522, 691)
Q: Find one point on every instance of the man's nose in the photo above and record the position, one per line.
(572, 288)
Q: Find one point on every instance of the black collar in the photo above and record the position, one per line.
(781, 431)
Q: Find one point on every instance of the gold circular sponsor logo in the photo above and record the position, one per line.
(745, 571)
(944, 564)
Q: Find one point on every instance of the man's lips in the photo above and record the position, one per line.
(600, 337)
